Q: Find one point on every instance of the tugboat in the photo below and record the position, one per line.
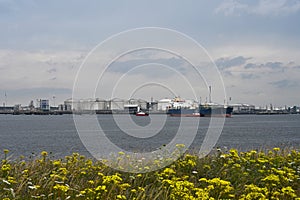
(141, 113)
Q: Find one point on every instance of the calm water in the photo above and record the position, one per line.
(29, 135)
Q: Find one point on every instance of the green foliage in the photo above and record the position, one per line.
(231, 175)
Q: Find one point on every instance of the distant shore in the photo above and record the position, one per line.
(57, 112)
(64, 112)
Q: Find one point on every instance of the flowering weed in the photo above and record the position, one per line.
(233, 175)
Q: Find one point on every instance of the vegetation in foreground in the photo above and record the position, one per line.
(231, 175)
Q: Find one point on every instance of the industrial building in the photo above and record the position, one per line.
(243, 108)
(43, 104)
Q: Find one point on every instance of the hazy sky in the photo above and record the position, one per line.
(254, 43)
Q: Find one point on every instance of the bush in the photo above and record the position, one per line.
(232, 175)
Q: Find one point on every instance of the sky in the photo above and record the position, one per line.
(255, 45)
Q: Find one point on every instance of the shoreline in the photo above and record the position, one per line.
(110, 112)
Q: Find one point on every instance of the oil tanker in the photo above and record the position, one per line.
(204, 110)
(208, 109)
(215, 110)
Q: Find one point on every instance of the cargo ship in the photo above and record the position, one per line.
(204, 110)
(208, 109)
(183, 112)
(184, 108)
(215, 110)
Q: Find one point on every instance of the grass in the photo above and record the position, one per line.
(274, 174)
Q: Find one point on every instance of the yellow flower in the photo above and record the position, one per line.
(56, 163)
(276, 149)
(271, 178)
(203, 179)
(63, 170)
(133, 190)
(124, 186)
(101, 188)
(6, 167)
(11, 180)
(169, 171)
(252, 152)
(288, 191)
(44, 153)
(63, 188)
(121, 196)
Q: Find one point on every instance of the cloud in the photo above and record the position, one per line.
(274, 66)
(258, 80)
(262, 7)
(228, 62)
(250, 66)
(149, 66)
(231, 7)
(52, 70)
(24, 70)
(249, 76)
(276, 7)
(285, 83)
(241, 67)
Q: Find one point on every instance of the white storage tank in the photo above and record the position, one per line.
(117, 104)
(101, 104)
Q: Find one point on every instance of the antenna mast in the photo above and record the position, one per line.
(209, 97)
(5, 101)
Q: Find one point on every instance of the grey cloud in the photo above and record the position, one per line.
(296, 67)
(285, 83)
(125, 66)
(251, 66)
(262, 7)
(227, 73)
(291, 63)
(50, 62)
(52, 70)
(224, 63)
(249, 76)
(274, 65)
(231, 7)
(277, 66)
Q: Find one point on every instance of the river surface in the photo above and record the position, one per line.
(57, 134)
